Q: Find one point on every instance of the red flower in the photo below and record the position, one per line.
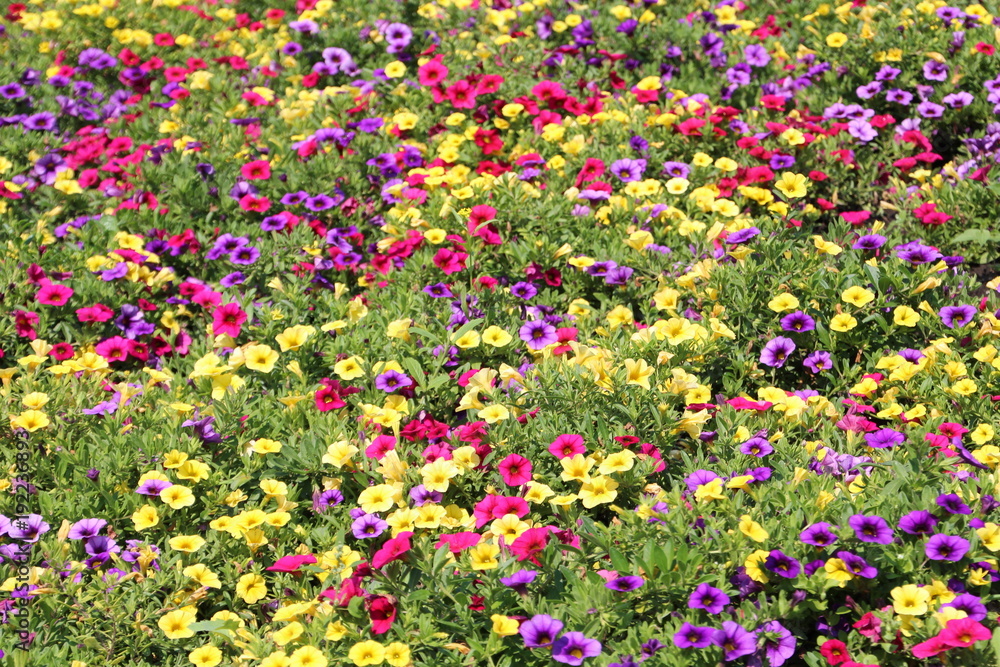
(985, 49)
(382, 612)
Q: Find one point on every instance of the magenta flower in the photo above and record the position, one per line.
(53, 294)
(515, 470)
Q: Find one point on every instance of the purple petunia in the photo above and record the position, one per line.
(757, 446)
(574, 647)
(735, 641)
(625, 583)
(693, 636)
(538, 334)
(818, 535)
(709, 598)
(541, 630)
(918, 522)
(817, 361)
(782, 564)
(776, 352)
(946, 547)
(779, 644)
(952, 503)
(391, 381)
(742, 236)
(86, 528)
(368, 526)
(871, 528)
(798, 321)
(884, 438)
(957, 317)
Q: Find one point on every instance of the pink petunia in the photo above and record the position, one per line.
(515, 470)
(567, 446)
(458, 542)
(393, 549)
(291, 563)
(54, 294)
(96, 313)
(228, 319)
(963, 632)
(257, 170)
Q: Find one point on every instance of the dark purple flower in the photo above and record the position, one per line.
(735, 640)
(625, 584)
(693, 636)
(523, 290)
(540, 631)
(797, 321)
(953, 504)
(818, 535)
(782, 564)
(871, 528)
(709, 598)
(438, 291)
(574, 647)
(776, 352)
(946, 547)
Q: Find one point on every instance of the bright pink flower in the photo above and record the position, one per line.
(458, 542)
(495, 507)
(96, 313)
(258, 170)
(835, 651)
(228, 320)
(963, 632)
(567, 446)
(291, 563)
(253, 203)
(931, 647)
(432, 72)
(380, 447)
(54, 294)
(114, 349)
(515, 470)
(530, 543)
(393, 549)
(208, 299)
(870, 626)
(450, 261)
